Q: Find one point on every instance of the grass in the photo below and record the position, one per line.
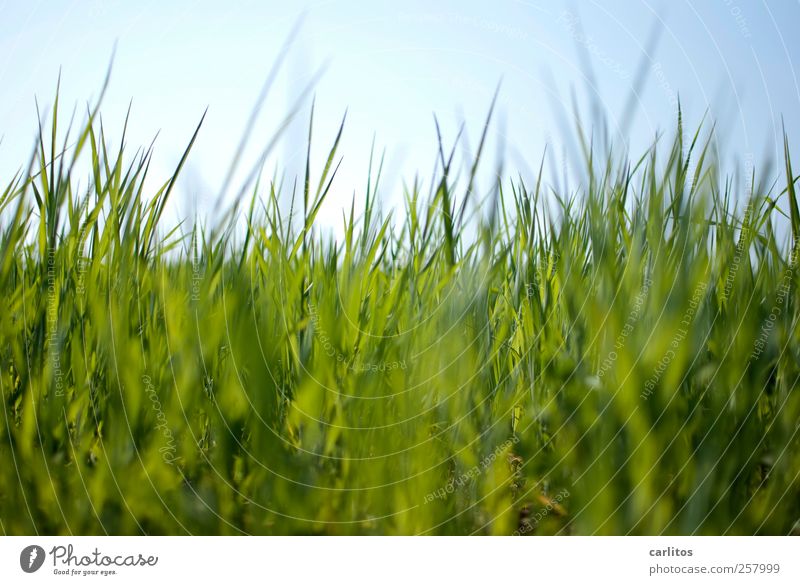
(620, 359)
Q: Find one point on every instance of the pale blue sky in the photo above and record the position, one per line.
(394, 64)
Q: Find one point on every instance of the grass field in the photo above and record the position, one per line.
(618, 359)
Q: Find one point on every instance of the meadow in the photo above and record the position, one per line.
(621, 358)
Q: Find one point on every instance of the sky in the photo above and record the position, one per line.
(391, 66)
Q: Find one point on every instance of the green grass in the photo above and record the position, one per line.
(619, 359)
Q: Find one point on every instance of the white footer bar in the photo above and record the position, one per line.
(401, 560)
